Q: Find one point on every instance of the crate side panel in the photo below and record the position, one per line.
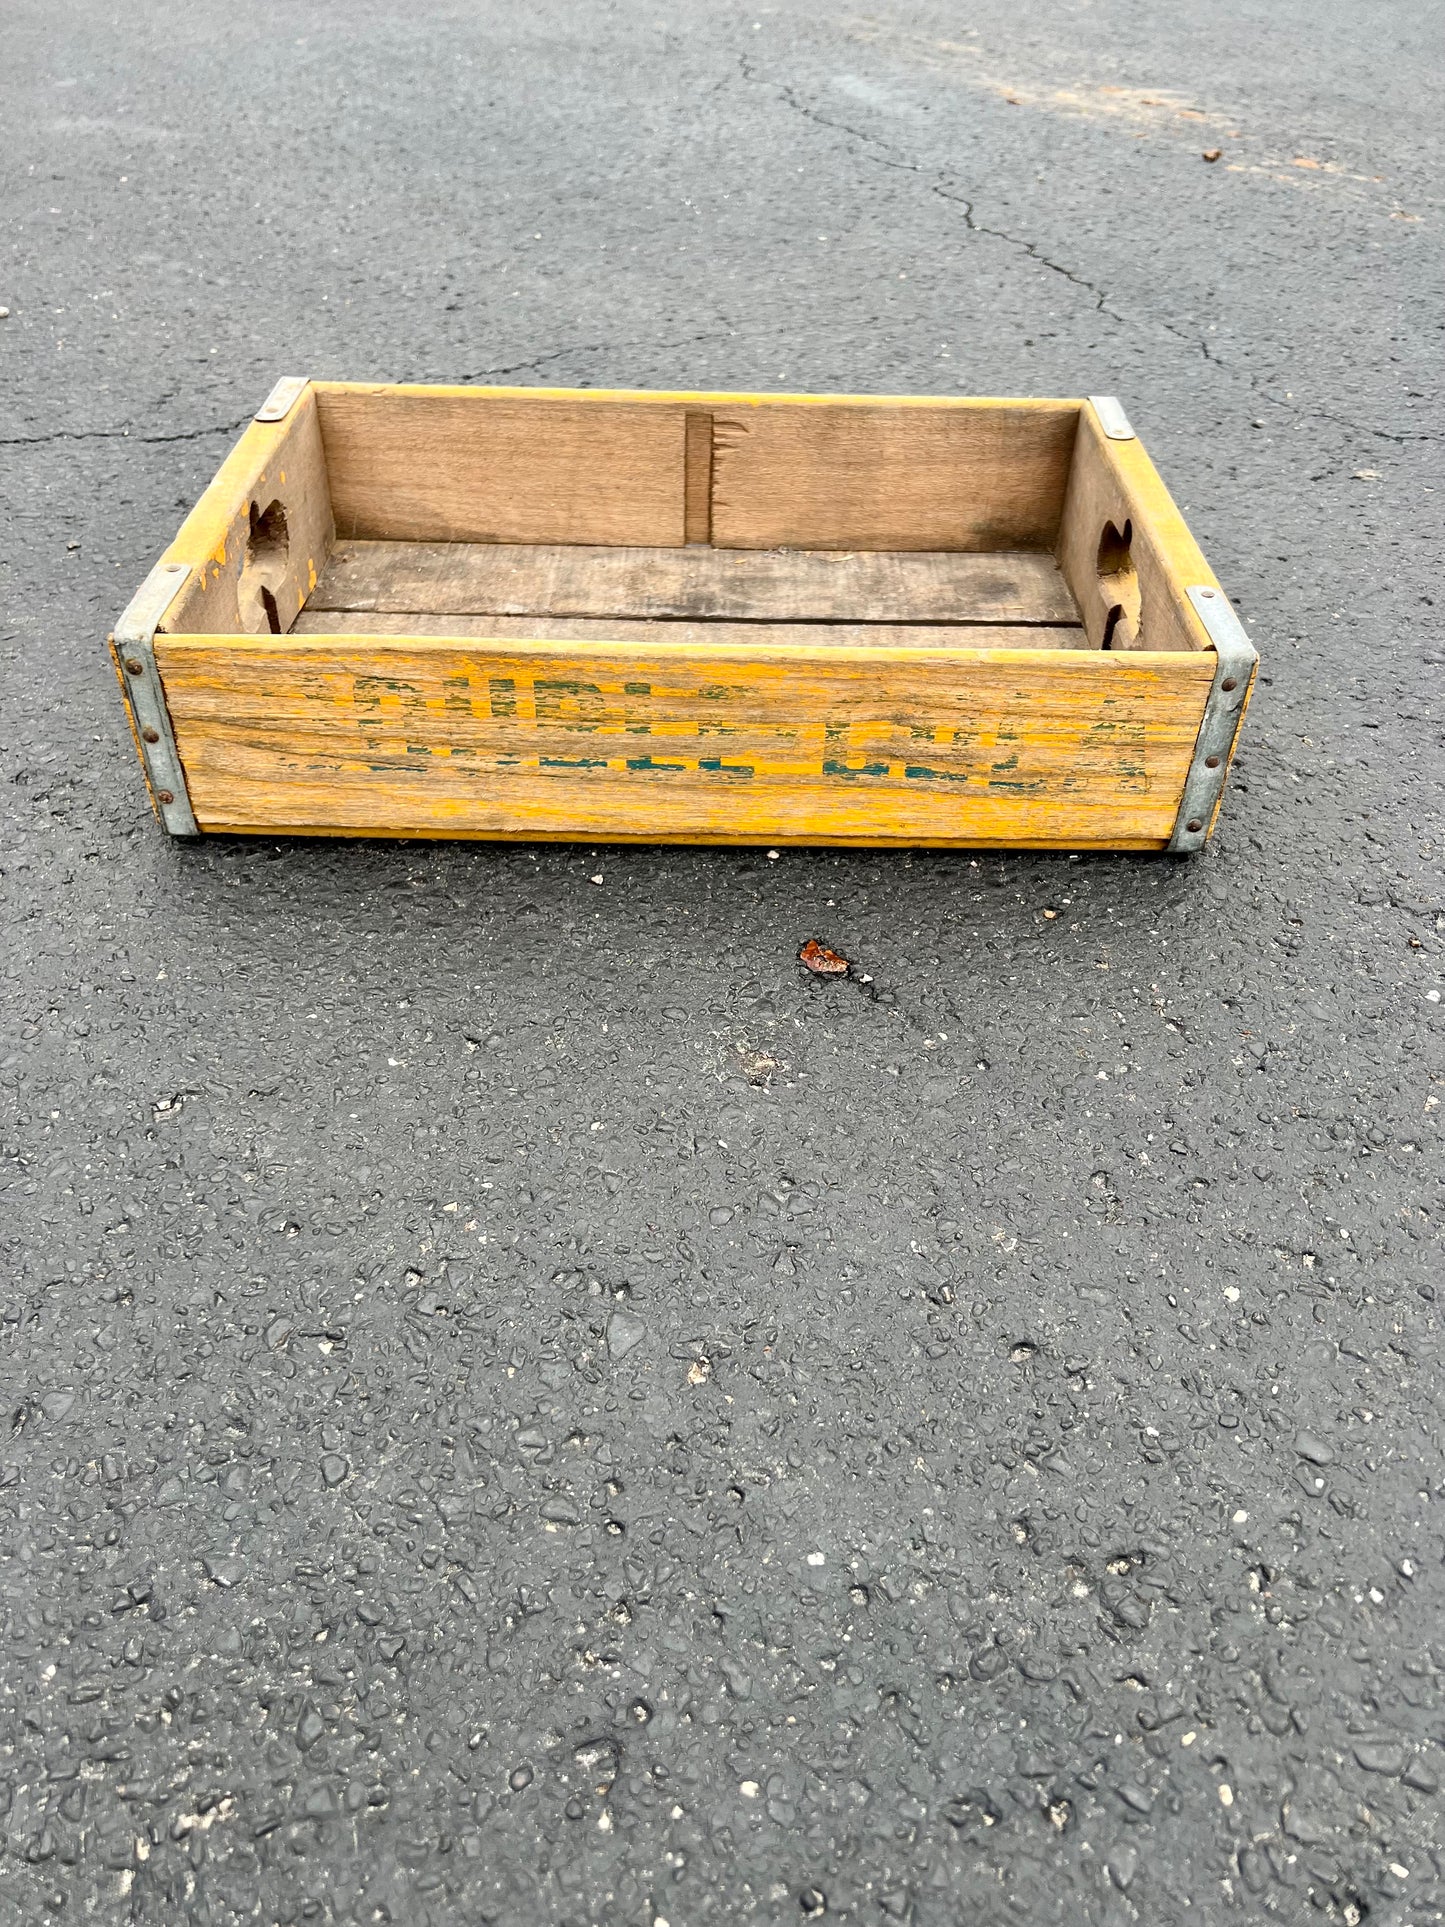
(263, 529)
(878, 746)
(885, 477)
(439, 468)
(481, 394)
(648, 633)
(1118, 511)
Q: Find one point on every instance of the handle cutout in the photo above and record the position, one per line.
(1119, 587)
(268, 546)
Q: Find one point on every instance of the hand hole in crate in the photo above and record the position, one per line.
(268, 544)
(1119, 587)
(545, 583)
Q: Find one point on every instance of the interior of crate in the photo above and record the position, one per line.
(699, 594)
(763, 522)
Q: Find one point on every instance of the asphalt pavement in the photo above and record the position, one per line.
(521, 1406)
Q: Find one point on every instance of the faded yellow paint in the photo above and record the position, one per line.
(700, 397)
(205, 535)
(949, 747)
(681, 741)
(1114, 482)
(272, 461)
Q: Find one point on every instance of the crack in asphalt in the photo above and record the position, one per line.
(120, 435)
(634, 1360)
(890, 156)
(725, 333)
(1256, 383)
(881, 153)
(884, 153)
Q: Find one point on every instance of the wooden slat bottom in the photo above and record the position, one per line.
(693, 584)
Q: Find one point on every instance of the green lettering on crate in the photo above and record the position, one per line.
(1127, 736)
(553, 698)
(399, 766)
(367, 691)
(833, 766)
(835, 753)
(1021, 786)
(921, 773)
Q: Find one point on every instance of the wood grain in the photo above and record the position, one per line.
(410, 465)
(1114, 484)
(273, 462)
(698, 508)
(853, 477)
(762, 636)
(440, 578)
(1013, 747)
(755, 691)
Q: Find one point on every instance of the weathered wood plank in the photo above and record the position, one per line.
(441, 578)
(761, 636)
(262, 529)
(1012, 747)
(1114, 486)
(698, 517)
(991, 476)
(435, 467)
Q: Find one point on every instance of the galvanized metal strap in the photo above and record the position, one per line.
(1112, 419)
(282, 398)
(1235, 661)
(135, 646)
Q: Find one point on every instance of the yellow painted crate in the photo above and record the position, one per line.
(712, 618)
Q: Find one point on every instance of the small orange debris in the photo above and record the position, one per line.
(822, 961)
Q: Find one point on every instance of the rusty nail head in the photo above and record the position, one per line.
(151, 735)
(164, 796)
(1211, 762)
(135, 665)
(1195, 826)
(1229, 683)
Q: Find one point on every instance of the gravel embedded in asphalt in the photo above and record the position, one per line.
(524, 1404)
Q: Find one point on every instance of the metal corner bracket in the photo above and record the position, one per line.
(1235, 661)
(135, 648)
(1112, 419)
(283, 398)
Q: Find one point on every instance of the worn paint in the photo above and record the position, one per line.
(440, 737)
(690, 741)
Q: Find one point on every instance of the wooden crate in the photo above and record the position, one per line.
(713, 618)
